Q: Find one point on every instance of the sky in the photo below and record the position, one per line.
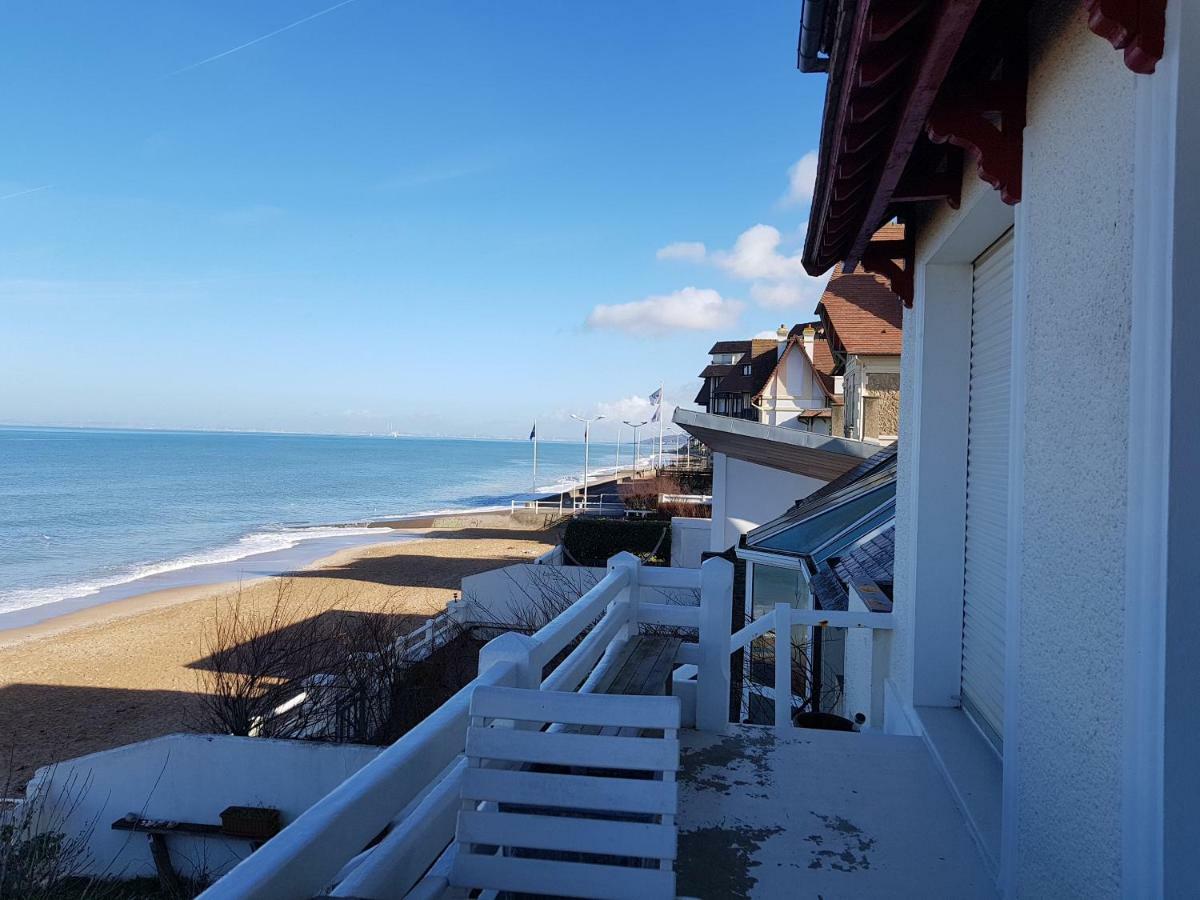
(372, 215)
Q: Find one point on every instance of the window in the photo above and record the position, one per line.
(747, 370)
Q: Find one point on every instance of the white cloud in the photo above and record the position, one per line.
(802, 176)
(633, 409)
(690, 309)
(785, 294)
(687, 251)
(755, 255)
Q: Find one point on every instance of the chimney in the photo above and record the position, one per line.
(810, 337)
(781, 335)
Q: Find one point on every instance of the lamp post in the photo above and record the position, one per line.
(619, 452)
(587, 430)
(637, 444)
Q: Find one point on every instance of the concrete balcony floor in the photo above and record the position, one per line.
(820, 814)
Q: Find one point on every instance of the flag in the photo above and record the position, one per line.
(656, 397)
(657, 410)
(533, 431)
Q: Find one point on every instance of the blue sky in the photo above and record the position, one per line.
(432, 217)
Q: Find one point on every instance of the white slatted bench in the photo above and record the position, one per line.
(609, 833)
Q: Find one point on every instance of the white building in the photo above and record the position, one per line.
(801, 391)
(1045, 645)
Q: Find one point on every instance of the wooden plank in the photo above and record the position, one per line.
(564, 749)
(563, 879)
(602, 794)
(567, 834)
(635, 671)
(570, 708)
(163, 826)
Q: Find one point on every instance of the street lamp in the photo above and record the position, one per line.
(637, 444)
(587, 429)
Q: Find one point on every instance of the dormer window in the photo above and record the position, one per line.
(746, 370)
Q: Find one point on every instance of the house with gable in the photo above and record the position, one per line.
(861, 324)
(801, 391)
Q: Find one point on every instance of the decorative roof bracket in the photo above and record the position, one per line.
(983, 112)
(1135, 26)
(884, 257)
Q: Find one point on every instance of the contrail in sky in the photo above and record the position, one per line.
(26, 191)
(258, 39)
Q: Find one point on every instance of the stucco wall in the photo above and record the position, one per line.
(1078, 211)
(1074, 229)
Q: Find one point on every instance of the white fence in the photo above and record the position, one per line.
(412, 789)
(866, 659)
(596, 503)
(686, 499)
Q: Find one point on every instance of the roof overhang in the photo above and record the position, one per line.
(786, 449)
(888, 62)
(913, 86)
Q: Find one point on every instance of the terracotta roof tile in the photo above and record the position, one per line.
(861, 313)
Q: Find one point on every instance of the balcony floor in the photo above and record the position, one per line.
(820, 814)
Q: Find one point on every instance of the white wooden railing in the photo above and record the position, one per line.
(411, 790)
(686, 499)
(865, 670)
(565, 505)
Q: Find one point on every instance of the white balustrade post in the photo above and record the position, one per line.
(516, 648)
(783, 665)
(716, 618)
(627, 562)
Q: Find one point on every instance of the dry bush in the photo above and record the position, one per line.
(257, 659)
(38, 858)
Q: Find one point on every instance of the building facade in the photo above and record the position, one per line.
(1049, 188)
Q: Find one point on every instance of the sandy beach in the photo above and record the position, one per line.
(126, 670)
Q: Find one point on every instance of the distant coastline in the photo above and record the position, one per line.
(283, 550)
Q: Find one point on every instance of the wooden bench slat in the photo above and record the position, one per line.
(567, 834)
(566, 749)
(570, 708)
(565, 879)
(601, 794)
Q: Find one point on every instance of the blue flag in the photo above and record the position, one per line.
(656, 397)
(533, 431)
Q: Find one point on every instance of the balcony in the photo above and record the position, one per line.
(762, 811)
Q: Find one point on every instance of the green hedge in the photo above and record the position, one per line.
(590, 542)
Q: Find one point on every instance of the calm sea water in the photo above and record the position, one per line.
(95, 515)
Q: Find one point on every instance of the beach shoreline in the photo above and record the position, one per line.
(132, 669)
(189, 582)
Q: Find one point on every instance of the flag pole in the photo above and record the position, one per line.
(661, 399)
(535, 455)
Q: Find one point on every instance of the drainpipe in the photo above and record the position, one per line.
(812, 25)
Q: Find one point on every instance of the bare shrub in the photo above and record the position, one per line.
(38, 857)
(256, 660)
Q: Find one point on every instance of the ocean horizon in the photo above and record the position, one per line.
(91, 515)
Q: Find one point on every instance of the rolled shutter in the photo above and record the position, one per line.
(984, 575)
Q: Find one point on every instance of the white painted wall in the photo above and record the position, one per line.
(689, 538)
(189, 778)
(745, 495)
(1063, 743)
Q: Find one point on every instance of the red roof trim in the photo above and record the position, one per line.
(1136, 26)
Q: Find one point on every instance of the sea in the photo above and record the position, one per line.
(88, 516)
